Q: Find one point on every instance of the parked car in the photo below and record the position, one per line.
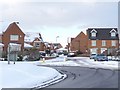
(92, 56)
(55, 54)
(71, 54)
(101, 57)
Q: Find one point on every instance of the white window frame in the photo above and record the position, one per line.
(37, 46)
(14, 37)
(93, 34)
(113, 34)
(103, 43)
(93, 43)
(113, 43)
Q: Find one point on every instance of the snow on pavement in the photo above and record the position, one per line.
(81, 61)
(26, 75)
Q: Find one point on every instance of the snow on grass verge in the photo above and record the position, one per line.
(27, 75)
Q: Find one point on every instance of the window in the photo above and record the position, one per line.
(103, 43)
(113, 34)
(93, 34)
(93, 43)
(37, 44)
(113, 43)
(14, 37)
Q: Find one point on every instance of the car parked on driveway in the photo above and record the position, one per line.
(101, 57)
(92, 56)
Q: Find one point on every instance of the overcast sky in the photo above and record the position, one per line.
(52, 18)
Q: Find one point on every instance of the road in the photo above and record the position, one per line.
(79, 77)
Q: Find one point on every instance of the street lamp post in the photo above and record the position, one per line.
(68, 41)
(57, 38)
(8, 54)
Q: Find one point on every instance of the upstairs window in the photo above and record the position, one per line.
(113, 43)
(37, 44)
(113, 33)
(93, 33)
(14, 37)
(103, 43)
(93, 42)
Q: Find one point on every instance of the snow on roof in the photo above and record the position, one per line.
(27, 45)
(30, 36)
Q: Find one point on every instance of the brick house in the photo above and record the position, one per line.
(79, 43)
(102, 39)
(35, 39)
(13, 34)
(37, 43)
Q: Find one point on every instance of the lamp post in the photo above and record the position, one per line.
(8, 54)
(68, 41)
(57, 38)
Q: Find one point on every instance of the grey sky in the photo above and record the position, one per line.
(64, 19)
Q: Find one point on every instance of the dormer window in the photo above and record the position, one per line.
(93, 33)
(113, 33)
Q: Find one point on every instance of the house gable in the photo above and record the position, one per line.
(13, 28)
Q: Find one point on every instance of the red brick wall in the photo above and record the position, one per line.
(99, 44)
(79, 43)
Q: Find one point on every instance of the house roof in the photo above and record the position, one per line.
(31, 36)
(102, 34)
(15, 26)
(27, 45)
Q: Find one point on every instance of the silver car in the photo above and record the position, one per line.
(92, 56)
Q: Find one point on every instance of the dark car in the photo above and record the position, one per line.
(101, 57)
(71, 54)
